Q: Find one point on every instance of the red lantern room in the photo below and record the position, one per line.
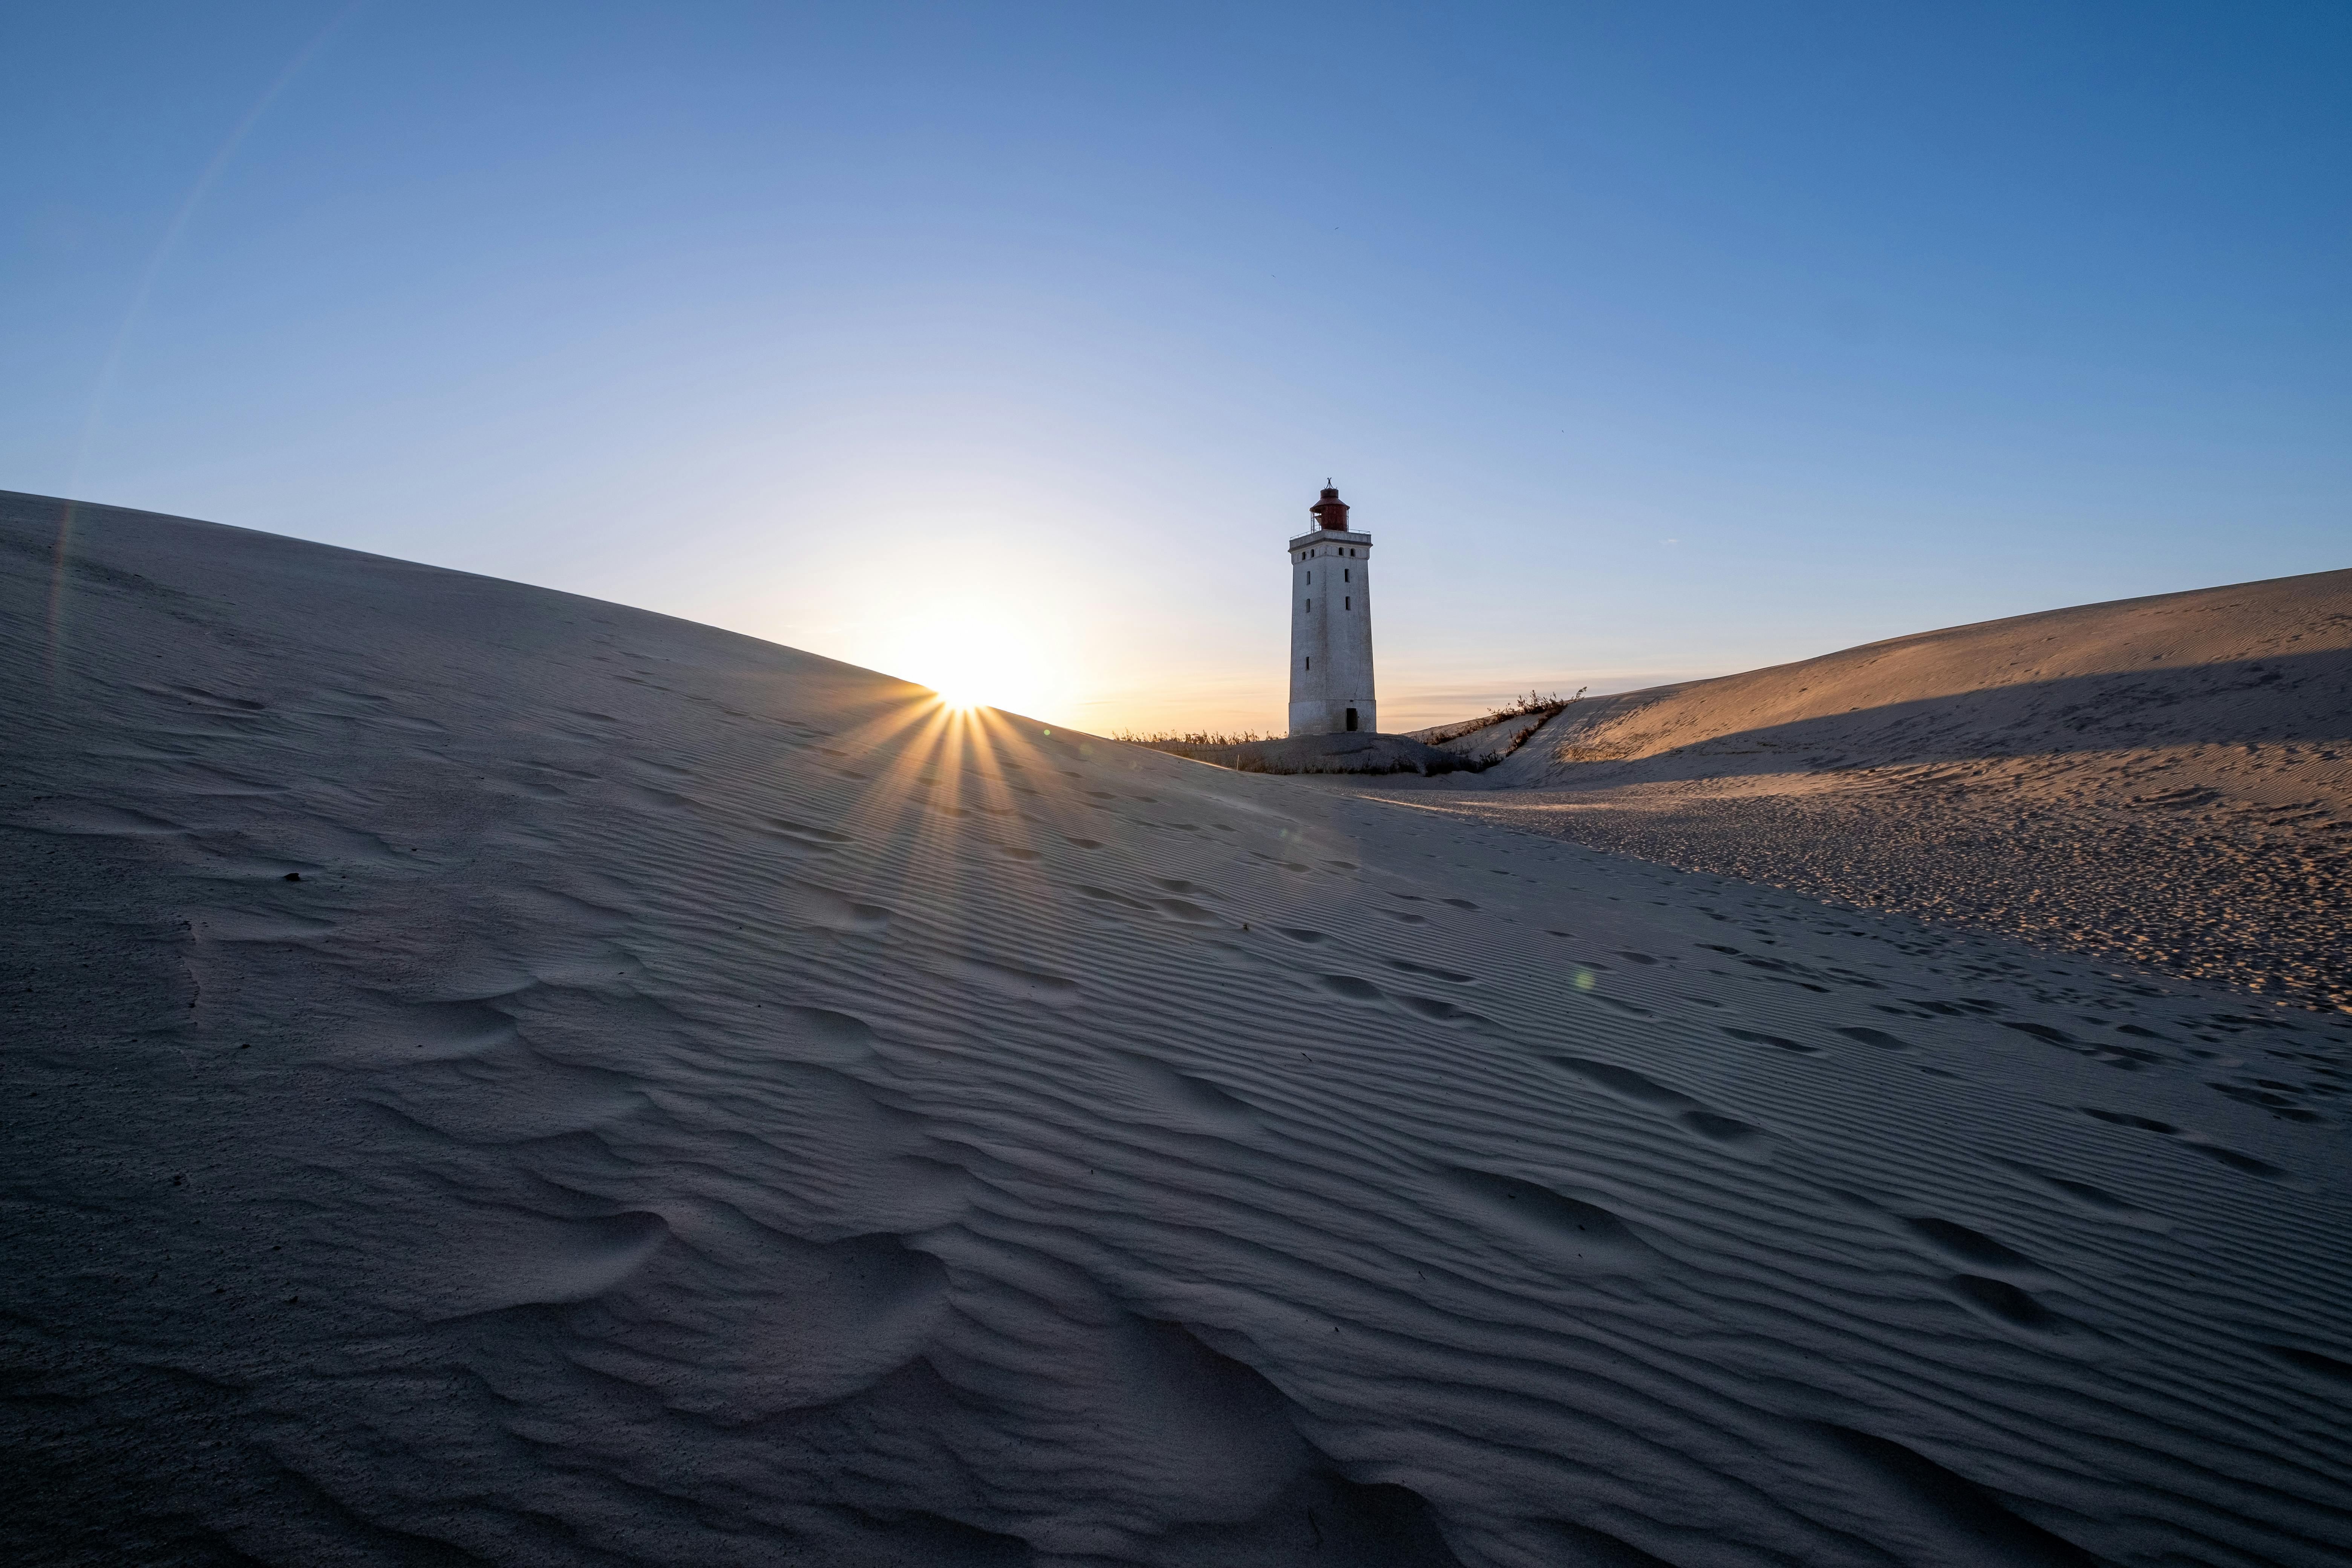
(1330, 513)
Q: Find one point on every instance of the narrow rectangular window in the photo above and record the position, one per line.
(1310, 578)
(1310, 661)
(1310, 606)
(1347, 604)
(1346, 573)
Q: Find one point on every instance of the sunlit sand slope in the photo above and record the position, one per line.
(2166, 781)
(700, 1104)
(2260, 661)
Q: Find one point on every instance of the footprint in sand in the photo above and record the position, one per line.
(2130, 1058)
(801, 904)
(1191, 1098)
(800, 1034)
(1009, 980)
(1720, 1128)
(1627, 1084)
(1963, 1245)
(2245, 1164)
(1439, 1011)
(1353, 989)
(423, 1032)
(514, 1257)
(2124, 1119)
(2000, 1299)
(815, 840)
(1567, 1227)
(2089, 1199)
(1624, 1082)
(1777, 1042)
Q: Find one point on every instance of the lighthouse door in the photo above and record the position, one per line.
(1352, 718)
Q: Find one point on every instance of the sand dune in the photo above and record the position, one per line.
(2166, 781)
(497, 1077)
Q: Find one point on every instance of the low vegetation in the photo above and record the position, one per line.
(1429, 768)
(1188, 742)
(1533, 707)
(1225, 751)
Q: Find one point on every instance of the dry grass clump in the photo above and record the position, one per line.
(1429, 768)
(1176, 739)
(1223, 750)
(1531, 703)
(1534, 707)
(1190, 743)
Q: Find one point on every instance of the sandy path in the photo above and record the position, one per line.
(697, 1104)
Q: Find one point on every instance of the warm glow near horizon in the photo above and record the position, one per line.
(980, 656)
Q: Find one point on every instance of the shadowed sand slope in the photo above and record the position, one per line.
(2166, 781)
(496, 1076)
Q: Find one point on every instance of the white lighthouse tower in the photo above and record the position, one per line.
(1331, 624)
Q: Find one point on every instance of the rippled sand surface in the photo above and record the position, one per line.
(492, 1076)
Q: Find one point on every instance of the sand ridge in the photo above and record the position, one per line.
(2165, 782)
(496, 1073)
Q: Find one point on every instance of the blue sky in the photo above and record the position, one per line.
(1647, 339)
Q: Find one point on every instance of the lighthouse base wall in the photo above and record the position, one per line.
(1328, 715)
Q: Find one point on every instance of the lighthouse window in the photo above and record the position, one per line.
(1310, 577)
(1347, 604)
(1347, 575)
(1310, 606)
(1310, 661)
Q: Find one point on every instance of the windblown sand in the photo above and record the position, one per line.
(701, 1104)
(2165, 783)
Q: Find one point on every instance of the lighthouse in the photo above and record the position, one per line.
(1331, 623)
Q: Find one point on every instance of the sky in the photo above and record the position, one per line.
(1003, 346)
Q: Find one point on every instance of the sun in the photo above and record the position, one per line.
(976, 659)
(959, 696)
